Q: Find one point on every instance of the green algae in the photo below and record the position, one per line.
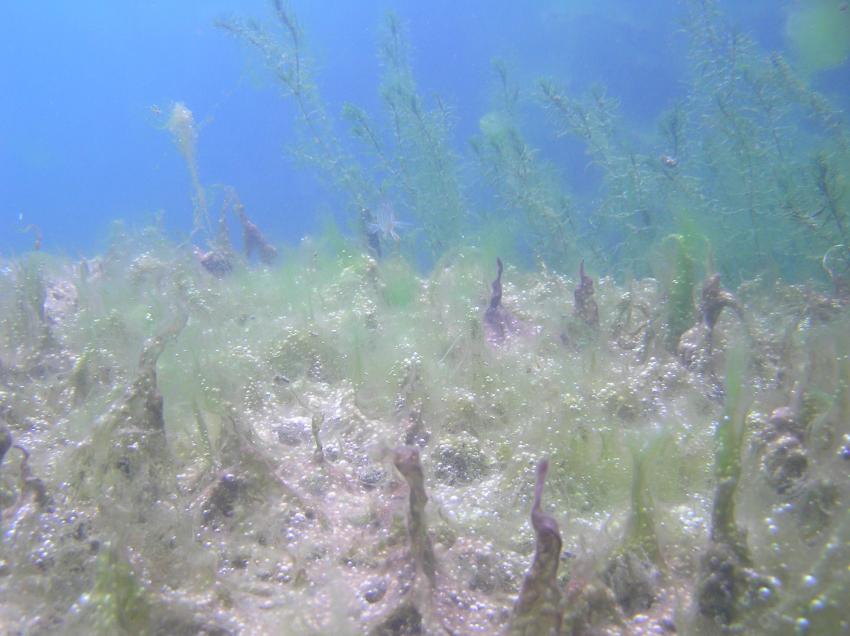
(229, 454)
(121, 605)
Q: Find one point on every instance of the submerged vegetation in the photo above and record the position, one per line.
(353, 435)
(336, 443)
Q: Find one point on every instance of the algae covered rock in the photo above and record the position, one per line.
(785, 462)
(459, 459)
(634, 581)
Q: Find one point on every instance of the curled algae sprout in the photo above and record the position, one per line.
(181, 125)
(585, 306)
(538, 610)
(408, 464)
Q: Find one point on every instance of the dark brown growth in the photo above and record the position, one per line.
(714, 298)
(586, 306)
(5, 442)
(144, 400)
(138, 452)
(405, 620)
(219, 260)
(223, 498)
(408, 464)
(216, 263)
(496, 296)
(32, 485)
(370, 231)
(253, 239)
(38, 237)
(696, 346)
(315, 428)
(538, 610)
(498, 321)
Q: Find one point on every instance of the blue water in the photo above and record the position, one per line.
(83, 85)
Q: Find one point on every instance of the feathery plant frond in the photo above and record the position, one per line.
(525, 185)
(284, 53)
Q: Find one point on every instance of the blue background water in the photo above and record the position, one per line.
(82, 142)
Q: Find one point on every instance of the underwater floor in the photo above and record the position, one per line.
(335, 444)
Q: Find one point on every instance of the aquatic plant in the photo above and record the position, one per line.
(696, 345)
(680, 289)
(252, 239)
(585, 306)
(121, 605)
(633, 572)
(727, 580)
(759, 179)
(633, 184)
(285, 54)
(538, 607)
(427, 166)
(399, 284)
(407, 462)
(410, 158)
(499, 322)
(526, 186)
(727, 170)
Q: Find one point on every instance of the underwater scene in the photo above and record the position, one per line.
(399, 318)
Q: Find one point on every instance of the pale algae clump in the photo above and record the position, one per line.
(494, 125)
(181, 125)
